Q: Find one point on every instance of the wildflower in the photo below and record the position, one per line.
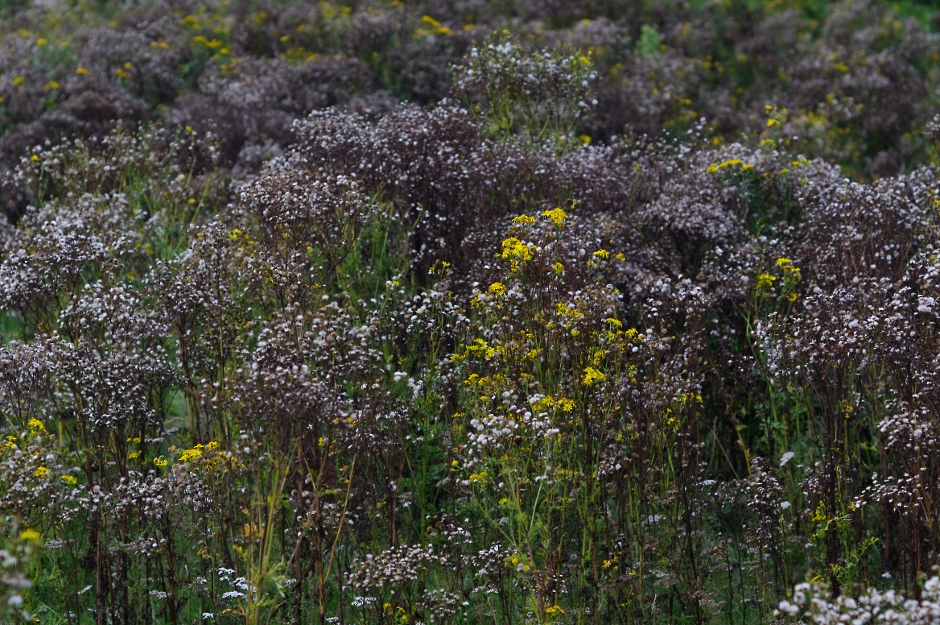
(515, 250)
(497, 288)
(556, 216)
(191, 454)
(29, 535)
(160, 461)
(564, 310)
(554, 610)
(592, 375)
(602, 254)
(523, 220)
(42, 472)
(69, 479)
(35, 425)
(435, 26)
(566, 405)
(765, 281)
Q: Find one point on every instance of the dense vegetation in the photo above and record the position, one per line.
(510, 311)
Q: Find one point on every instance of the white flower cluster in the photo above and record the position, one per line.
(813, 603)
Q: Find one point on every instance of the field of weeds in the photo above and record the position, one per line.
(476, 311)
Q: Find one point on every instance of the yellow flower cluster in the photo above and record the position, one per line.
(35, 425)
(592, 376)
(516, 250)
(563, 310)
(196, 452)
(735, 162)
(434, 26)
(790, 270)
(556, 216)
(765, 281)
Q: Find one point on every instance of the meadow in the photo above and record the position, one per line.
(469, 311)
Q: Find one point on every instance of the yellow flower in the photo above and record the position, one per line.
(558, 269)
(191, 454)
(497, 288)
(81, 71)
(554, 610)
(133, 455)
(566, 405)
(435, 25)
(765, 281)
(523, 220)
(477, 477)
(35, 425)
(160, 461)
(604, 254)
(69, 479)
(563, 310)
(791, 270)
(41, 472)
(556, 216)
(592, 375)
(29, 535)
(18, 80)
(514, 249)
